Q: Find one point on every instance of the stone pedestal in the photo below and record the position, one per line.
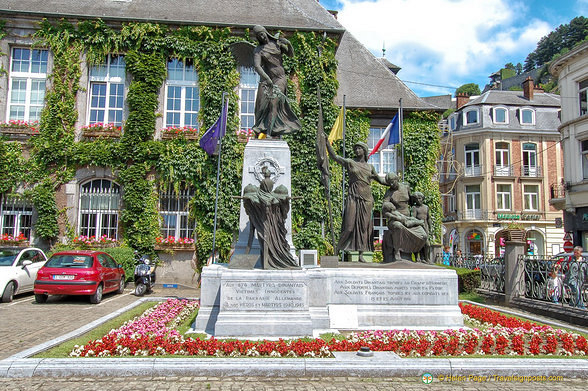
(514, 272)
(274, 154)
(263, 303)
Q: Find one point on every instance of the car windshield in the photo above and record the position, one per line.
(68, 260)
(7, 256)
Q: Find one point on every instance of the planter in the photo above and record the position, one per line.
(87, 133)
(184, 135)
(516, 235)
(175, 247)
(17, 132)
(14, 243)
(242, 139)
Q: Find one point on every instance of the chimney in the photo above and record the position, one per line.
(528, 88)
(462, 99)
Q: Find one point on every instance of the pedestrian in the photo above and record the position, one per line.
(554, 284)
(575, 277)
(446, 255)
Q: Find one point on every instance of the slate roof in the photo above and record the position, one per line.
(515, 98)
(444, 102)
(368, 83)
(283, 14)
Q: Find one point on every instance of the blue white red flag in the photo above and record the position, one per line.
(390, 136)
(209, 140)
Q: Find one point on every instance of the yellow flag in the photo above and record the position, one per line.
(337, 131)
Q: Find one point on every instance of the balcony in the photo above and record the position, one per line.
(474, 214)
(472, 171)
(531, 171)
(557, 193)
(504, 171)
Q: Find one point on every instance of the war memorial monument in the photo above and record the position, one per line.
(263, 291)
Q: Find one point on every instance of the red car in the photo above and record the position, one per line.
(80, 272)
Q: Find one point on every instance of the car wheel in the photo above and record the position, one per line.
(8, 292)
(41, 298)
(140, 289)
(121, 285)
(97, 296)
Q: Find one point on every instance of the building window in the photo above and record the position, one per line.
(26, 95)
(99, 208)
(174, 212)
(500, 115)
(502, 160)
(107, 84)
(503, 196)
(583, 86)
(182, 95)
(473, 202)
(247, 94)
(451, 201)
(472, 160)
(379, 226)
(385, 160)
(530, 167)
(470, 117)
(531, 197)
(527, 117)
(17, 214)
(585, 159)
(452, 122)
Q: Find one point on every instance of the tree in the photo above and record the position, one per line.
(565, 37)
(468, 89)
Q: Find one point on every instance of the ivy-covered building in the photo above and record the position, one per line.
(102, 103)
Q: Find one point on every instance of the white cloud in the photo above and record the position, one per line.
(444, 41)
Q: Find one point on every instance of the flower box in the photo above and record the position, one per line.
(14, 243)
(175, 247)
(90, 242)
(101, 131)
(186, 132)
(18, 130)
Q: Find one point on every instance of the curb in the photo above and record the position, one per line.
(382, 364)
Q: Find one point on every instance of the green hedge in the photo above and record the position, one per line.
(468, 280)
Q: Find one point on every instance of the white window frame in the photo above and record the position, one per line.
(503, 197)
(583, 97)
(530, 156)
(103, 206)
(451, 204)
(174, 207)
(473, 198)
(531, 198)
(465, 117)
(379, 226)
(30, 78)
(584, 152)
(385, 160)
(188, 80)
(248, 84)
(111, 80)
(502, 158)
(521, 114)
(472, 160)
(16, 216)
(494, 115)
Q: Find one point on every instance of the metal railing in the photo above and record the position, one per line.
(472, 170)
(556, 280)
(531, 171)
(503, 170)
(557, 191)
(491, 268)
(475, 214)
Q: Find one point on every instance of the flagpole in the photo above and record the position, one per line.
(401, 119)
(218, 165)
(343, 177)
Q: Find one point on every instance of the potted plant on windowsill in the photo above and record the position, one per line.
(515, 231)
(18, 241)
(243, 135)
(101, 130)
(187, 132)
(19, 128)
(89, 242)
(173, 243)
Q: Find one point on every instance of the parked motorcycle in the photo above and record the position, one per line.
(144, 274)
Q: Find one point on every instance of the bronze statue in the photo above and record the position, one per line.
(273, 115)
(405, 233)
(421, 211)
(357, 228)
(267, 210)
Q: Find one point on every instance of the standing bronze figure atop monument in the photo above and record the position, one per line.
(273, 115)
(357, 227)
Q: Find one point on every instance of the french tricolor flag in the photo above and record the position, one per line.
(390, 136)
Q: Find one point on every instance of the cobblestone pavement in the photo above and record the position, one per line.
(31, 324)
(262, 384)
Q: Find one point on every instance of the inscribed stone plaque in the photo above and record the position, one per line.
(350, 290)
(252, 295)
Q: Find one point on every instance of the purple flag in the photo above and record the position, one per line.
(209, 140)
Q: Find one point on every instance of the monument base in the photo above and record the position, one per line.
(293, 303)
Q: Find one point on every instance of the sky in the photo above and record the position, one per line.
(443, 44)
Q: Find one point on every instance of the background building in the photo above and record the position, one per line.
(500, 153)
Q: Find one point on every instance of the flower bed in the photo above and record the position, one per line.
(152, 334)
